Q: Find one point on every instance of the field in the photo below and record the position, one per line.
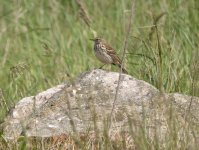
(44, 43)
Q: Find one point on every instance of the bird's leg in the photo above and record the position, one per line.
(102, 66)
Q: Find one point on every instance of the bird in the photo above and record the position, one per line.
(106, 54)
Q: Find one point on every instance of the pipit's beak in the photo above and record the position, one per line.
(92, 39)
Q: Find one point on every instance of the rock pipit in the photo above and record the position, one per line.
(106, 54)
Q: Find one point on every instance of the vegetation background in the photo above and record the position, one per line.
(44, 43)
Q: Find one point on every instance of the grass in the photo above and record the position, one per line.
(44, 43)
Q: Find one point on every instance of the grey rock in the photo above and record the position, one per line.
(87, 103)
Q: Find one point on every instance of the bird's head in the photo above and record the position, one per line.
(97, 40)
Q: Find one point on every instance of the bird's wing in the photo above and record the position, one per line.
(113, 54)
(109, 49)
(116, 59)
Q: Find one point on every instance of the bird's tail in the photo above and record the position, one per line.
(123, 69)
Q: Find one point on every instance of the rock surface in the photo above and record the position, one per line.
(87, 103)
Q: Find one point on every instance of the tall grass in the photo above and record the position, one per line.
(44, 43)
